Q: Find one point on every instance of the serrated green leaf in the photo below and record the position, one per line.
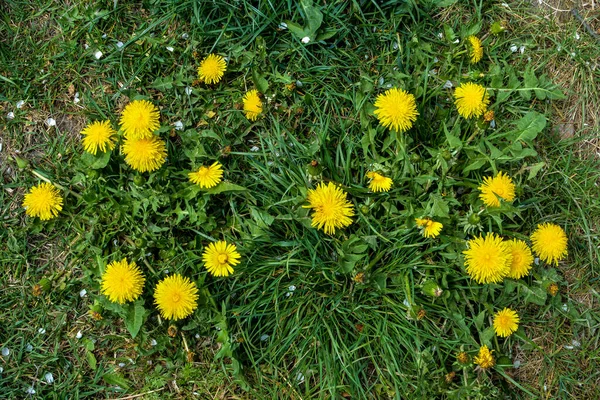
(163, 83)
(534, 169)
(135, 318)
(98, 161)
(529, 126)
(259, 80)
(113, 378)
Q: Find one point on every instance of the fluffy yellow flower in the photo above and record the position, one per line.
(488, 259)
(484, 358)
(500, 186)
(176, 297)
(98, 135)
(379, 183)
(220, 257)
(430, 229)
(139, 119)
(145, 154)
(471, 99)
(212, 68)
(506, 322)
(476, 50)
(43, 201)
(549, 243)
(122, 281)
(252, 105)
(521, 259)
(207, 177)
(331, 209)
(396, 109)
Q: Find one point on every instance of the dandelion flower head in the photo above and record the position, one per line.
(522, 259)
(139, 120)
(207, 177)
(471, 100)
(145, 154)
(220, 258)
(429, 228)
(506, 322)
(43, 201)
(176, 297)
(253, 107)
(122, 281)
(500, 186)
(212, 69)
(98, 135)
(484, 358)
(331, 209)
(549, 243)
(476, 50)
(396, 109)
(379, 183)
(488, 259)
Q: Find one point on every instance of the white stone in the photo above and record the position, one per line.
(20, 103)
(577, 37)
(514, 48)
(169, 48)
(119, 44)
(448, 85)
(98, 54)
(188, 90)
(283, 25)
(30, 390)
(305, 39)
(178, 125)
(49, 378)
(153, 342)
(10, 115)
(254, 148)
(41, 331)
(104, 36)
(5, 351)
(185, 36)
(264, 338)
(51, 122)
(82, 293)
(79, 335)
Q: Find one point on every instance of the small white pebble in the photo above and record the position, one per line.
(448, 85)
(575, 343)
(300, 377)
(573, 54)
(98, 54)
(283, 25)
(577, 37)
(51, 122)
(76, 98)
(10, 115)
(82, 293)
(1, 370)
(514, 48)
(565, 307)
(435, 59)
(440, 35)
(5, 351)
(305, 39)
(299, 83)
(292, 288)
(406, 303)
(264, 338)
(517, 364)
(188, 90)
(504, 5)
(79, 335)
(254, 148)
(178, 125)
(119, 44)
(169, 48)
(381, 81)
(545, 388)
(86, 46)
(184, 36)
(153, 342)
(121, 365)
(49, 378)
(166, 271)
(41, 331)
(197, 336)
(456, 41)
(30, 390)
(20, 103)
(28, 348)
(522, 49)
(536, 261)
(395, 46)
(569, 347)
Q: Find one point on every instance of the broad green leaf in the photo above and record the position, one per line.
(98, 161)
(534, 169)
(135, 318)
(113, 378)
(161, 83)
(226, 187)
(529, 126)
(453, 141)
(535, 295)
(439, 207)
(259, 80)
(314, 17)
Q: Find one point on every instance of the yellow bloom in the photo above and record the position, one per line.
(379, 183)
(488, 259)
(176, 297)
(145, 154)
(252, 105)
(476, 51)
(139, 119)
(484, 358)
(220, 257)
(462, 357)
(207, 177)
(550, 243)
(212, 68)
(43, 201)
(98, 136)
(396, 109)
(471, 99)
(499, 186)
(521, 259)
(122, 281)
(506, 322)
(430, 229)
(331, 209)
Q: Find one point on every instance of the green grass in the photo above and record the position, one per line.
(335, 334)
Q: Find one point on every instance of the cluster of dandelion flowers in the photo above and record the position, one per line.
(549, 242)
(253, 107)
(476, 49)
(429, 228)
(212, 68)
(43, 201)
(145, 154)
(488, 259)
(98, 136)
(500, 186)
(396, 109)
(220, 258)
(471, 100)
(176, 297)
(139, 119)
(122, 281)
(207, 177)
(522, 259)
(331, 208)
(506, 322)
(379, 183)
(484, 358)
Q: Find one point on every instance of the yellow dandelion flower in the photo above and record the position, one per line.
(521, 259)
(145, 154)
(487, 259)
(506, 322)
(139, 119)
(500, 186)
(176, 297)
(484, 358)
(429, 228)
(252, 105)
(552, 289)
(471, 99)
(212, 68)
(379, 183)
(98, 135)
(331, 209)
(122, 281)
(220, 257)
(462, 357)
(549, 243)
(43, 201)
(476, 50)
(207, 177)
(396, 109)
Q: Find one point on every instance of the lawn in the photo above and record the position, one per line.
(377, 309)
